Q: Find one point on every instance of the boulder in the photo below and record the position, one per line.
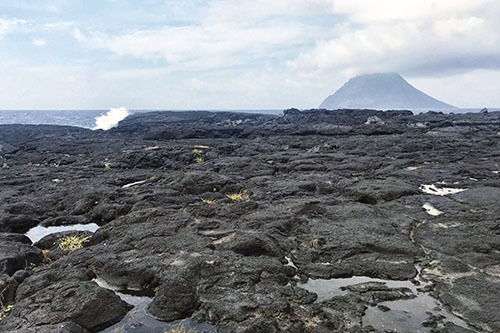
(16, 253)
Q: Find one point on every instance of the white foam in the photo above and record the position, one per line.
(110, 119)
(431, 210)
(432, 189)
(133, 184)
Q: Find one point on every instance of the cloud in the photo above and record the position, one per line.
(9, 25)
(39, 42)
(202, 47)
(228, 33)
(60, 25)
(473, 89)
(240, 54)
(413, 37)
(363, 11)
(110, 119)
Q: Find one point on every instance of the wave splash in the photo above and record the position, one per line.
(111, 118)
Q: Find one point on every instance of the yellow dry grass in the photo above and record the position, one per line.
(72, 243)
(242, 195)
(209, 201)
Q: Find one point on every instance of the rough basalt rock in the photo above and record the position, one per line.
(327, 195)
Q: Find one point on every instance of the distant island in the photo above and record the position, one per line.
(381, 91)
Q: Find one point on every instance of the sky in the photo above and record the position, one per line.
(244, 54)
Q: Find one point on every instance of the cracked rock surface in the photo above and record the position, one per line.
(204, 207)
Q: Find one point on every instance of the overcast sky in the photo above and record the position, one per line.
(241, 54)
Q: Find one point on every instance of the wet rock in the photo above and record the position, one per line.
(64, 220)
(450, 327)
(19, 276)
(176, 299)
(17, 223)
(134, 277)
(104, 213)
(8, 287)
(343, 314)
(83, 206)
(433, 320)
(83, 303)
(16, 253)
(65, 327)
(475, 298)
(383, 308)
(248, 244)
(13, 237)
(370, 191)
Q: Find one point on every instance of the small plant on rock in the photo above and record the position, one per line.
(4, 311)
(72, 243)
(95, 270)
(257, 314)
(209, 201)
(315, 243)
(311, 323)
(240, 196)
(46, 258)
(197, 151)
(199, 159)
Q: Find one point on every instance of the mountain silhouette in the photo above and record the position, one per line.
(381, 91)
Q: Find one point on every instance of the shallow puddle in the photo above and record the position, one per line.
(405, 315)
(38, 232)
(326, 289)
(434, 190)
(134, 184)
(431, 210)
(408, 315)
(138, 320)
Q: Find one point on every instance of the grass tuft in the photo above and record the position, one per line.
(4, 311)
(72, 243)
(315, 243)
(257, 314)
(311, 323)
(209, 201)
(240, 196)
(46, 258)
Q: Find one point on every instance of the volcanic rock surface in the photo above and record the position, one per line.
(223, 215)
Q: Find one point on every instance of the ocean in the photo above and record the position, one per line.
(79, 118)
(87, 118)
